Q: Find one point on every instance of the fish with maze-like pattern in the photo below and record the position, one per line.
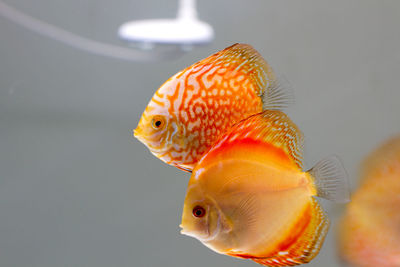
(198, 104)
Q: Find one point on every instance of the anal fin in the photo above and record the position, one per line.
(307, 246)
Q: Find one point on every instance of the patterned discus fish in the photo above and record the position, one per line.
(191, 109)
(249, 198)
(370, 228)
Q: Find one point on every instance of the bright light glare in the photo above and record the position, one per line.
(185, 30)
(167, 31)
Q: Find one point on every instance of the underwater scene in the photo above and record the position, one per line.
(199, 133)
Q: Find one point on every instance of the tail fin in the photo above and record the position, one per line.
(278, 95)
(331, 180)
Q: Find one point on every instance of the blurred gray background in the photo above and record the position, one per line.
(76, 189)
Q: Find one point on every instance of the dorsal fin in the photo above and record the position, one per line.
(272, 127)
(274, 93)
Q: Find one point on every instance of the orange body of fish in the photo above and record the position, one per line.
(370, 228)
(198, 104)
(249, 198)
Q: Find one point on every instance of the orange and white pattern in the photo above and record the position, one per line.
(201, 102)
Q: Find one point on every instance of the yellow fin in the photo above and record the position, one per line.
(271, 127)
(275, 93)
(307, 246)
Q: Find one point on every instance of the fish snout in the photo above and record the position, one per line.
(188, 233)
(136, 132)
(182, 230)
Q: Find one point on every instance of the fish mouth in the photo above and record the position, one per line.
(188, 233)
(182, 231)
(136, 133)
(156, 150)
(203, 238)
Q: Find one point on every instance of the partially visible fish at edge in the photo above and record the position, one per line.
(369, 231)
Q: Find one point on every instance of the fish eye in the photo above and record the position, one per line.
(199, 212)
(158, 122)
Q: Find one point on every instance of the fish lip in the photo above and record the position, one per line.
(185, 232)
(182, 231)
(136, 132)
(139, 137)
(188, 233)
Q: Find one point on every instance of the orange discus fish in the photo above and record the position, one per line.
(370, 228)
(192, 108)
(249, 198)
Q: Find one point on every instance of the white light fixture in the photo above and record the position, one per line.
(84, 43)
(185, 30)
